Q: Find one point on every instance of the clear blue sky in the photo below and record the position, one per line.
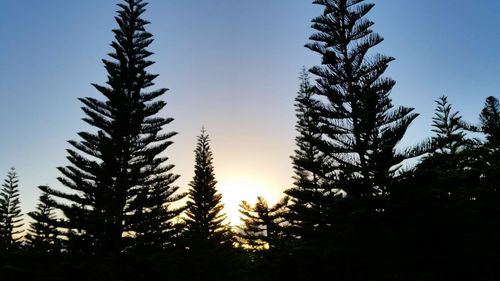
(231, 65)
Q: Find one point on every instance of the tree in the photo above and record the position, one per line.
(358, 131)
(43, 235)
(263, 224)
(448, 126)
(119, 173)
(312, 192)
(204, 217)
(490, 120)
(206, 236)
(10, 213)
(361, 126)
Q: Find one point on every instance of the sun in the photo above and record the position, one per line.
(235, 190)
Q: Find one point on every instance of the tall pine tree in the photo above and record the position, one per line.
(358, 130)
(204, 216)
(360, 124)
(10, 213)
(312, 191)
(119, 173)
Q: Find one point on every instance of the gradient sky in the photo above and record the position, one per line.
(230, 65)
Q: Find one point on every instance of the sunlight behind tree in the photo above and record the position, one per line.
(238, 188)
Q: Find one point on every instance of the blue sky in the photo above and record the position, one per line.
(230, 65)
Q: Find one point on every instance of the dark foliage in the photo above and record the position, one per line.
(490, 120)
(361, 127)
(10, 213)
(43, 235)
(312, 193)
(204, 217)
(449, 127)
(121, 186)
(263, 225)
(347, 158)
(442, 218)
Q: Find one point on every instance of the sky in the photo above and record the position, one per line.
(231, 66)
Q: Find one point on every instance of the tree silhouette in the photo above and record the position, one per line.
(204, 216)
(119, 174)
(312, 193)
(448, 126)
(360, 124)
(42, 234)
(442, 217)
(357, 130)
(10, 213)
(490, 120)
(263, 224)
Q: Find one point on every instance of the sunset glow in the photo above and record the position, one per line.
(236, 189)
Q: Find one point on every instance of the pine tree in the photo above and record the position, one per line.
(312, 191)
(263, 224)
(43, 235)
(360, 124)
(204, 216)
(358, 130)
(490, 120)
(449, 127)
(10, 213)
(112, 169)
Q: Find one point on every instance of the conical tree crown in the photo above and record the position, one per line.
(448, 126)
(308, 159)
(312, 189)
(490, 120)
(42, 234)
(205, 219)
(10, 212)
(113, 168)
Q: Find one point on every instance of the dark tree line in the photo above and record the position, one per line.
(356, 210)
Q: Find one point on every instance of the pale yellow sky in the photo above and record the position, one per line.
(243, 169)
